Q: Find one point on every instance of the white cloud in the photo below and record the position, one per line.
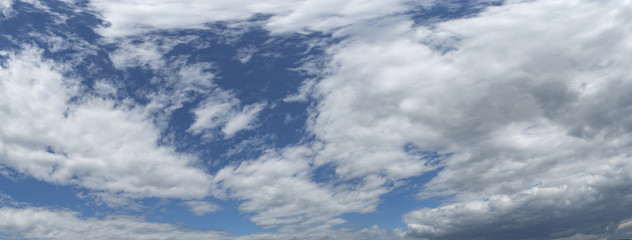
(243, 120)
(146, 51)
(39, 223)
(513, 97)
(61, 41)
(201, 208)
(257, 143)
(531, 112)
(278, 187)
(5, 6)
(128, 17)
(221, 111)
(131, 55)
(104, 88)
(91, 142)
(245, 54)
(527, 102)
(372, 233)
(178, 81)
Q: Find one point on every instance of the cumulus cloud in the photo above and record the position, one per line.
(513, 103)
(527, 118)
(527, 112)
(201, 207)
(279, 188)
(91, 142)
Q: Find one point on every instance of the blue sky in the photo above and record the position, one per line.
(315, 119)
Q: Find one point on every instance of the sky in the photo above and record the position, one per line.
(315, 119)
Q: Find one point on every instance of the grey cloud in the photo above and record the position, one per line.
(531, 112)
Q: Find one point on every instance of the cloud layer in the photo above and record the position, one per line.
(522, 110)
(530, 111)
(128, 17)
(38, 223)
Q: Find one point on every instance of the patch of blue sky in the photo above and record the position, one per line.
(401, 199)
(394, 204)
(452, 9)
(324, 173)
(265, 77)
(449, 10)
(24, 20)
(25, 189)
(32, 192)
(27, 19)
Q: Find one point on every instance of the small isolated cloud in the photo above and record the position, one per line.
(132, 55)
(245, 54)
(243, 120)
(201, 208)
(221, 111)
